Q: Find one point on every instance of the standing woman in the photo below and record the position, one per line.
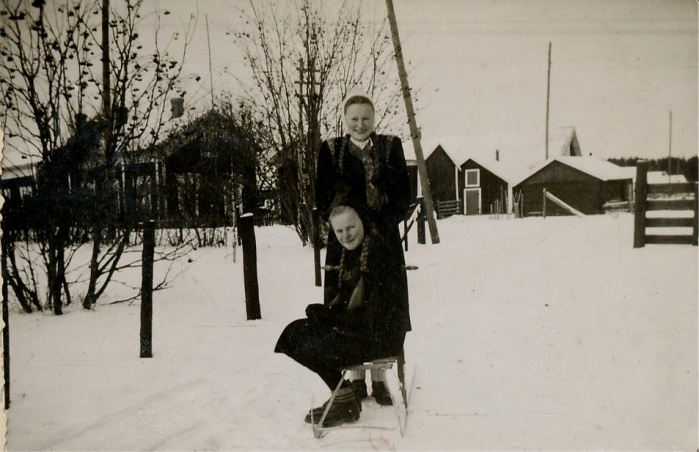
(371, 168)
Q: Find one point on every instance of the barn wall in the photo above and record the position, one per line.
(576, 188)
(413, 178)
(584, 196)
(440, 172)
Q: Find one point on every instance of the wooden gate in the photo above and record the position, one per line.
(673, 197)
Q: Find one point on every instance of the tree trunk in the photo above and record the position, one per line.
(90, 298)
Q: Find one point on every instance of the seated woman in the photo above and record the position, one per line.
(364, 321)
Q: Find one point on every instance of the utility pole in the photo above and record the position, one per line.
(669, 156)
(548, 101)
(302, 107)
(106, 85)
(414, 132)
(211, 76)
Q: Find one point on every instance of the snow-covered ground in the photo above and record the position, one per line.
(528, 334)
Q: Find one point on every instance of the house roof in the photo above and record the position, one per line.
(506, 171)
(439, 146)
(661, 177)
(563, 141)
(654, 177)
(594, 166)
(16, 171)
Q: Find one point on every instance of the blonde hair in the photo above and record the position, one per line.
(357, 100)
(342, 208)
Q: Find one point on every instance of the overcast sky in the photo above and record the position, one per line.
(480, 69)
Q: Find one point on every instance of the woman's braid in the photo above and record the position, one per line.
(341, 267)
(363, 260)
(343, 148)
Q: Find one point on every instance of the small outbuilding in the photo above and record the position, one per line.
(486, 186)
(584, 183)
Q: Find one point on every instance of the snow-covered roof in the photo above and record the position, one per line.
(13, 171)
(526, 154)
(563, 141)
(654, 177)
(505, 170)
(661, 177)
(594, 166)
(630, 171)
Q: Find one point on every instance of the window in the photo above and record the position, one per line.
(472, 177)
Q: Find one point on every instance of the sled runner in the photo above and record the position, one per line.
(398, 390)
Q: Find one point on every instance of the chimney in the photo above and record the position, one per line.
(176, 107)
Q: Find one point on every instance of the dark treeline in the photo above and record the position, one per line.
(678, 165)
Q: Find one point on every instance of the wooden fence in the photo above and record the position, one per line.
(447, 208)
(674, 197)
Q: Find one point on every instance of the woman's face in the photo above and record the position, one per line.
(348, 228)
(359, 121)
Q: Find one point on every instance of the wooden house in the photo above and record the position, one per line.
(205, 164)
(485, 185)
(18, 183)
(584, 183)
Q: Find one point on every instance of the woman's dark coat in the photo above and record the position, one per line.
(338, 170)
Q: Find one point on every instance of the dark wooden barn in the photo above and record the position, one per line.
(441, 172)
(584, 183)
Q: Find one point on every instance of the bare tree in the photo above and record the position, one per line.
(86, 128)
(303, 60)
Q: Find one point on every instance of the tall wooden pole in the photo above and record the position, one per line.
(414, 132)
(548, 101)
(106, 85)
(211, 75)
(6, 321)
(669, 153)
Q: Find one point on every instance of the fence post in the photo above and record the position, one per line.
(316, 246)
(252, 292)
(543, 208)
(147, 289)
(421, 226)
(405, 234)
(695, 222)
(639, 228)
(6, 320)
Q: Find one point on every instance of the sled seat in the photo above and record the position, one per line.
(381, 365)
